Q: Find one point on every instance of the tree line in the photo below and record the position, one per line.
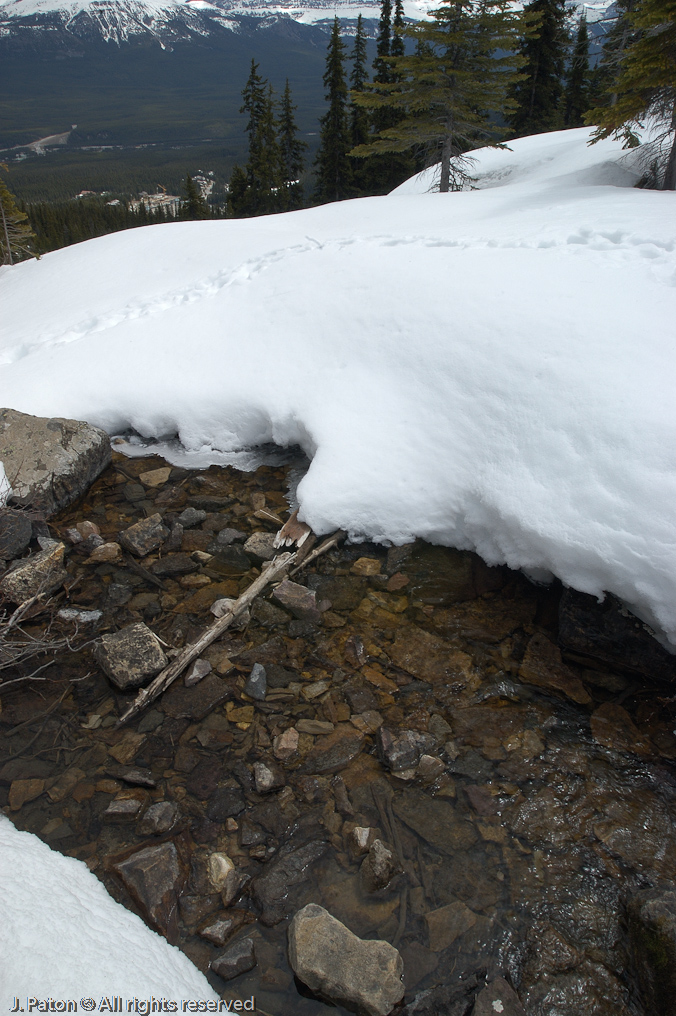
(475, 73)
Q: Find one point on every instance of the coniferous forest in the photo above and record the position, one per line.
(475, 74)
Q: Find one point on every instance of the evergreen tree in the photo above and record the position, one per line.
(193, 205)
(16, 234)
(621, 35)
(380, 64)
(291, 149)
(263, 167)
(332, 162)
(538, 92)
(398, 26)
(646, 83)
(577, 86)
(359, 118)
(447, 90)
(236, 200)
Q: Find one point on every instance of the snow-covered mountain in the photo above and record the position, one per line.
(122, 20)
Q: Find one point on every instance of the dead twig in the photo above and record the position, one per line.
(144, 573)
(329, 542)
(163, 680)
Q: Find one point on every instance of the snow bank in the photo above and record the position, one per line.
(491, 370)
(62, 936)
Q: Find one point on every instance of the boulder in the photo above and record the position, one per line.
(50, 462)
(131, 656)
(40, 573)
(363, 976)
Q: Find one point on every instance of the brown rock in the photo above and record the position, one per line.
(144, 536)
(542, 666)
(154, 876)
(430, 658)
(613, 727)
(131, 656)
(197, 702)
(22, 791)
(447, 924)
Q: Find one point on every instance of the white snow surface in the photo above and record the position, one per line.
(490, 370)
(62, 936)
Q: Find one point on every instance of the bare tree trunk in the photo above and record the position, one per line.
(446, 151)
(669, 182)
(8, 256)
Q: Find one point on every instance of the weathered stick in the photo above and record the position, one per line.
(328, 543)
(147, 695)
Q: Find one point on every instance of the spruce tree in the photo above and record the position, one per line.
(263, 167)
(236, 199)
(332, 162)
(359, 118)
(577, 86)
(16, 234)
(291, 157)
(397, 47)
(543, 48)
(646, 84)
(193, 205)
(445, 91)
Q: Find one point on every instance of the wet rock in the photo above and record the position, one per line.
(131, 656)
(79, 616)
(430, 658)
(225, 802)
(159, 818)
(448, 923)
(196, 672)
(144, 536)
(124, 809)
(154, 877)
(542, 666)
(195, 909)
(223, 875)
(219, 928)
(51, 462)
(256, 685)
(261, 547)
(612, 726)
(134, 492)
(155, 477)
(197, 702)
(360, 698)
(40, 573)
(278, 677)
(267, 778)
(314, 727)
(301, 601)
(117, 594)
(366, 566)
(439, 728)
(191, 517)
(15, 533)
(360, 839)
(272, 891)
(378, 867)
(652, 933)
(498, 997)
(105, 553)
(267, 614)
(22, 791)
(402, 749)
(174, 564)
(238, 959)
(228, 560)
(89, 544)
(335, 751)
(134, 775)
(363, 976)
(608, 631)
(345, 592)
(285, 745)
(435, 821)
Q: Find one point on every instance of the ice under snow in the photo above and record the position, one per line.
(491, 369)
(62, 936)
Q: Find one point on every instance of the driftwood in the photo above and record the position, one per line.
(274, 570)
(160, 683)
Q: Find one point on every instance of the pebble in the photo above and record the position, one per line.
(238, 959)
(256, 685)
(159, 818)
(285, 745)
(191, 517)
(144, 536)
(131, 656)
(196, 671)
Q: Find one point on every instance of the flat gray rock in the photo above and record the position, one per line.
(40, 573)
(131, 656)
(15, 533)
(237, 959)
(363, 976)
(50, 462)
(498, 999)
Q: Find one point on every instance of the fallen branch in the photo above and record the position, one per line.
(163, 680)
(328, 543)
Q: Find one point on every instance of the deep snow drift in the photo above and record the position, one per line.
(491, 369)
(62, 936)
